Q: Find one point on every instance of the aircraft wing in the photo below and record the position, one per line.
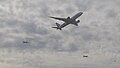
(62, 19)
(77, 15)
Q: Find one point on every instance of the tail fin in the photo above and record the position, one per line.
(58, 25)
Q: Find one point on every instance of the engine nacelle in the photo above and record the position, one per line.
(68, 17)
(78, 21)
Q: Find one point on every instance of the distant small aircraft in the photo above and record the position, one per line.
(85, 56)
(25, 42)
(67, 21)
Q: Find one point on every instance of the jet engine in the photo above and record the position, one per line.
(68, 17)
(78, 21)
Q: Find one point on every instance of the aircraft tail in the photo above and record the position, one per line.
(58, 26)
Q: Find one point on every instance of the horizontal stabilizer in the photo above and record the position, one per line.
(57, 28)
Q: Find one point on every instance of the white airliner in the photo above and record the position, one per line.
(67, 21)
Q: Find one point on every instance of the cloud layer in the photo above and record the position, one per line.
(97, 35)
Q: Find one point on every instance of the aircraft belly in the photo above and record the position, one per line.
(63, 25)
(77, 15)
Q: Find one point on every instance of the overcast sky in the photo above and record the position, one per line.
(98, 34)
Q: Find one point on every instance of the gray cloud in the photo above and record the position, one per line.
(97, 34)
